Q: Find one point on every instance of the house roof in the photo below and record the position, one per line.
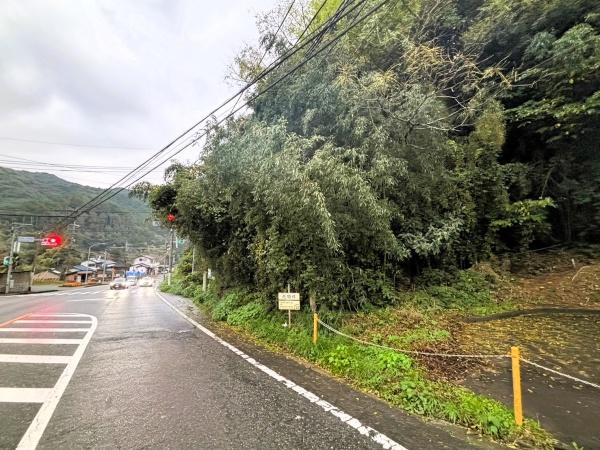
(142, 265)
(45, 275)
(80, 268)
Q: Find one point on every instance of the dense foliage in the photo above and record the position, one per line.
(431, 136)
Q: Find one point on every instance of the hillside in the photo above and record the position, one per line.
(29, 196)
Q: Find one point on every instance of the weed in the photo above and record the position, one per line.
(393, 376)
(246, 313)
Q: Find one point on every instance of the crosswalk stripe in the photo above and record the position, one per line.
(101, 299)
(58, 315)
(37, 426)
(40, 341)
(34, 359)
(52, 321)
(24, 395)
(43, 330)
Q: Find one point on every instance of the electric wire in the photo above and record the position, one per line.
(95, 202)
(270, 45)
(149, 161)
(270, 86)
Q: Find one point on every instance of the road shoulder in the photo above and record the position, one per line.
(411, 431)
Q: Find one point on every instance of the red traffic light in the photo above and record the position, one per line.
(171, 217)
(52, 240)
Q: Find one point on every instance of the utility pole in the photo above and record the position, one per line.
(193, 258)
(104, 268)
(170, 257)
(13, 235)
(87, 273)
(34, 262)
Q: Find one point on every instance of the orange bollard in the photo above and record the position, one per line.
(515, 355)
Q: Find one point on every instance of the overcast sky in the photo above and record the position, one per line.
(130, 74)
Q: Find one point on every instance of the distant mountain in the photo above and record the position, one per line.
(27, 196)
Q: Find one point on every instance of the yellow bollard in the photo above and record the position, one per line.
(315, 328)
(515, 355)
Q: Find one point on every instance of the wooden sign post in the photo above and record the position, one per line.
(289, 301)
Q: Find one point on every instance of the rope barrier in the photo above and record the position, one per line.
(412, 352)
(579, 380)
(456, 355)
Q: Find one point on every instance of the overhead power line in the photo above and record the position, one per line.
(67, 144)
(313, 18)
(18, 162)
(149, 161)
(101, 198)
(270, 44)
(48, 213)
(270, 86)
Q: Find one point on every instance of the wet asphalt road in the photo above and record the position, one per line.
(148, 379)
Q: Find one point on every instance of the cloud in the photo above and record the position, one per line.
(110, 72)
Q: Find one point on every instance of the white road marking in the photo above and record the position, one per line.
(59, 315)
(52, 321)
(36, 429)
(41, 341)
(34, 359)
(44, 330)
(373, 434)
(83, 291)
(101, 299)
(24, 395)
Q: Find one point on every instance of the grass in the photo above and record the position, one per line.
(395, 377)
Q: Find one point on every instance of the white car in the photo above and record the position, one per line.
(146, 282)
(118, 283)
(131, 281)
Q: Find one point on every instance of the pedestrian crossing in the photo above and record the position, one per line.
(18, 341)
(77, 292)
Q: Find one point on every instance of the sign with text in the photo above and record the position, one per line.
(26, 239)
(289, 301)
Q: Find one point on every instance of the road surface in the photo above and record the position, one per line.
(94, 368)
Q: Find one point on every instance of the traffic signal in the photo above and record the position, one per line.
(6, 261)
(52, 240)
(16, 260)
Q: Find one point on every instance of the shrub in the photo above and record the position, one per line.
(248, 312)
(227, 305)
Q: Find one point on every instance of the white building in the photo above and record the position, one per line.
(144, 264)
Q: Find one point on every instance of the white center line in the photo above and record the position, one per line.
(35, 359)
(24, 395)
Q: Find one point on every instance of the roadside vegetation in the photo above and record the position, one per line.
(381, 179)
(426, 319)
